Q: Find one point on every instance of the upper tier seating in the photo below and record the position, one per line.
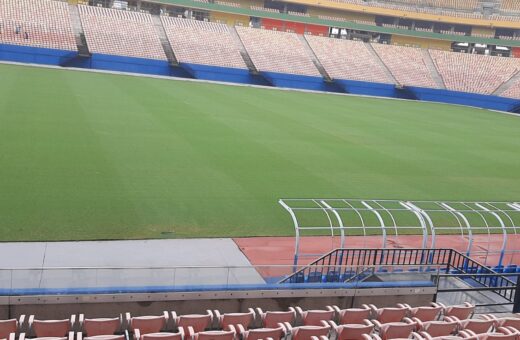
(275, 51)
(474, 73)
(407, 65)
(116, 32)
(510, 6)
(43, 23)
(348, 59)
(471, 5)
(200, 42)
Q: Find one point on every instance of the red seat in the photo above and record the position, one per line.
(314, 317)
(211, 335)
(271, 319)
(260, 333)
(11, 326)
(352, 331)
(199, 322)
(513, 322)
(437, 328)
(352, 315)
(423, 313)
(389, 314)
(307, 332)
(101, 337)
(503, 333)
(160, 335)
(395, 330)
(147, 324)
(478, 326)
(227, 319)
(51, 328)
(463, 312)
(99, 326)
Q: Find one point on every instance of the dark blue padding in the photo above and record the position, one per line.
(129, 64)
(463, 98)
(225, 74)
(208, 288)
(35, 55)
(295, 81)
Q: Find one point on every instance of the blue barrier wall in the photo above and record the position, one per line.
(225, 74)
(367, 89)
(130, 64)
(295, 81)
(25, 54)
(35, 55)
(463, 98)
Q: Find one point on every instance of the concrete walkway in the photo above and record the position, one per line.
(104, 264)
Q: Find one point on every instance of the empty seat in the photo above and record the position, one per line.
(227, 319)
(147, 324)
(395, 330)
(502, 333)
(352, 331)
(389, 314)
(99, 326)
(102, 337)
(160, 335)
(476, 325)
(437, 328)
(352, 315)
(513, 322)
(423, 313)
(199, 322)
(10, 328)
(259, 333)
(462, 312)
(212, 335)
(307, 332)
(314, 317)
(51, 328)
(271, 319)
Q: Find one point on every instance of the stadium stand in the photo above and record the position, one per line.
(249, 326)
(275, 51)
(43, 23)
(471, 5)
(122, 33)
(510, 6)
(201, 42)
(473, 73)
(513, 91)
(407, 65)
(347, 59)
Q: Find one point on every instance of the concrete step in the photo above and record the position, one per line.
(243, 52)
(314, 58)
(381, 63)
(433, 69)
(79, 34)
(161, 32)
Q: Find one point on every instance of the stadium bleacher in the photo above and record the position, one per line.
(474, 73)
(204, 43)
(407, 64)
(42, 23)
(275, 51)
(347, 59)
(123, 33)
(366, 322)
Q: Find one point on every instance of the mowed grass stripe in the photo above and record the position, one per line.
(98, 156)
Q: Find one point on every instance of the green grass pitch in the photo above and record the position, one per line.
(99, 156)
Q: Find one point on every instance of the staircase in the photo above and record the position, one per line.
(168, 50)
(389, 74)
(437, 78)
(243, 52)
(77, 28)
(314, 58)
(507, 84)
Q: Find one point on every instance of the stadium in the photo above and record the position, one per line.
(259, 169)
